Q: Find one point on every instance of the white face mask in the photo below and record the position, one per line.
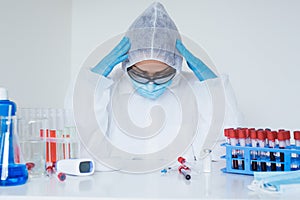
(276, 182)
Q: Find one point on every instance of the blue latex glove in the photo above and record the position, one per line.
(117, 55)
(201, 71)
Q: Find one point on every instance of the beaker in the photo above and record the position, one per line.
(31, 127)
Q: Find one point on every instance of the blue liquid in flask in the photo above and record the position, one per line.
(12, 171)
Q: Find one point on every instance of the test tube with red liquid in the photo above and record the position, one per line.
(234, 154)
(297, 144)
(282, 143)
(253, 137)
(242, 140)
(262, 141)
(271, 135)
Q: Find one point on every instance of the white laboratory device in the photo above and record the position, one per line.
(76, 167)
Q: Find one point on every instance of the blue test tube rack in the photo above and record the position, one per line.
(291, 157)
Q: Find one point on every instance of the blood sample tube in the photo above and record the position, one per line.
(267, 131)
(226, 134)
(234, 153)
(297, 138)
(271, 135)
(287, 138)
(185, 171)
(242, 141)
(281, 142)
(262, 141)
(295, 156)
(248, 135)
(253, 137)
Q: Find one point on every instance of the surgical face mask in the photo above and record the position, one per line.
(275, 182)
(158, 78)
(151, 90)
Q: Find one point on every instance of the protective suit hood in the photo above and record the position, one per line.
(153, 36)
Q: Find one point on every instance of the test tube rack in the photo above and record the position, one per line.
(244, 164)
(249, 150)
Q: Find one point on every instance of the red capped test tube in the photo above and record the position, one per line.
(234, 153)
(267, 131)
(185, 171)
(253, 137)
(226, 134)
(297, 138)
(242, 140)
(271, 135)
(296, 165)
(261, 135)
(282, 143)
(248, 135)
(287, 138)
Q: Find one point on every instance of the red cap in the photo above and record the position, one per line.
(297, 135)
(281, 135)
(268, 129)
(247, 132)
(61, 176)
(271, 135)
(253, 134)
(287, 135)
(181, 160)
(226, 131)
(30, 165)
(241, 133)
(261, 134)
(251, 129)
(232, 133)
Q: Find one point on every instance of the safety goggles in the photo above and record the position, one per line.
(158, 78)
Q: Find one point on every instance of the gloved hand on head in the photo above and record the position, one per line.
(201, 71)
(117, 55)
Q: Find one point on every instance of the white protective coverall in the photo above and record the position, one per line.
(142, 126)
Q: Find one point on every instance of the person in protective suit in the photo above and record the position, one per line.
(152, 54)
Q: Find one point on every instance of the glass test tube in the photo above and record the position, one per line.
(297, 144)
(242, 141)
(253, 137)
(226, 134)
(282, 143)
(287, 138)
(261, 141)
(248, 136)
(234, 153)
(271, 135)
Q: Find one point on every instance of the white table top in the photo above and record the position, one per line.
(118, 185)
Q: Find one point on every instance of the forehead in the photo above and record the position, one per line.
(151, 65)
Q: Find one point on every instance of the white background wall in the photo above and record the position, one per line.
(256, 42)
(35, 44)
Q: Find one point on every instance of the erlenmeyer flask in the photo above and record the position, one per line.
(12, 170)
